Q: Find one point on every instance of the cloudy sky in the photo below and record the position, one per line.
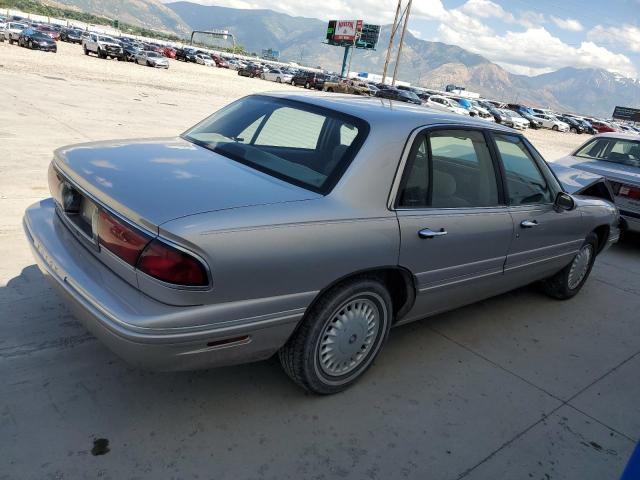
(524, 36)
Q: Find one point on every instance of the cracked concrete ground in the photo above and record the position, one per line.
(515, 387)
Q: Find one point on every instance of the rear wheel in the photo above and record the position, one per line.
(30, 44)
(278, 80)
(340, 336)
(86, 52)
(293, 82)
(555, 128)
(568, 281)
(307, 85)
(573, 130)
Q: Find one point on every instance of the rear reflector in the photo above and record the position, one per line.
(166, 263)
(120, 238)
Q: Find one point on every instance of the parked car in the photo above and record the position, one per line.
(103, 46)
(37, 40)
(350, 86)
(71, 35)
(551, 122)
(186, 54)
(601, 127)
(50, 31)
(526, 113)
(131, 51)
(445, 104)
(391, 93)
(309, 80)
(277, 75)
(615, 156)
(12, 31)
(250, 71)
(206, 60)
(509, 118)
(220, 62)
(370, 234)
(152, 59)
(169, 52)
(574, 125)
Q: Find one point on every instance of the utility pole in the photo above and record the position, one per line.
(404, 29)
(392, 36)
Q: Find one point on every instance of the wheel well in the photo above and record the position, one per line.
(602, 233)
(397, 280)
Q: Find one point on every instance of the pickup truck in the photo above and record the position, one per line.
(102, 46)
(347, 86)
(12, 31)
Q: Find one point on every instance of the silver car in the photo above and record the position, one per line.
(615, 156)
(305, 225)
(152, 59)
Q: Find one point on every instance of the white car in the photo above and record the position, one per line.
(205, 60)
(518, 121)
(444, 104)
(12, 31)
(277, 75)
(549, 121)
(103, 46)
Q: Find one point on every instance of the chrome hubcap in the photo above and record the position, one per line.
(579, 266)
(348, 336)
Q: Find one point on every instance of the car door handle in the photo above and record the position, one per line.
(428, 233)
(529, 223)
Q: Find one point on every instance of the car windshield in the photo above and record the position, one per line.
(106, 39)
(616, 150)
(153, 54)
(302, 144)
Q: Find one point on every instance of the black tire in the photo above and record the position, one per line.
(558, 286)
(10, 41)
(30, 44)
(554, 128)
(573, 130)
(278, 80)
(307, 85)
(86, 52)
(293, 82)
(300, 356)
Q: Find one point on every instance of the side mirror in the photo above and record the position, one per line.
(564, 201)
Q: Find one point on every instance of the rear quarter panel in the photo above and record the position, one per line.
(295, 248)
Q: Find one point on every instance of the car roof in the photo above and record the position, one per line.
(618, 135)
(379, 111)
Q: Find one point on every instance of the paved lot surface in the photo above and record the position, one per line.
(516, 387)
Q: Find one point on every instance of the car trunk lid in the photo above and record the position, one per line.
(156, 180)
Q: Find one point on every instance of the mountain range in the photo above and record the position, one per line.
(423, 63)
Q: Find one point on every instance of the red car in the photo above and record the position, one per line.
(220, 62)
(602, 127)
(169, 52)
(54, 34)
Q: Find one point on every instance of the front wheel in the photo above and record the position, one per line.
(339, 337)
(554, 128)
(307, 85)
(293, 82)
(30, 44)
(568, 281)
(573, 130)
(278, 80)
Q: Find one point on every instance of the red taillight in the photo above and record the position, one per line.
(629, 192)
(121, 239)
(166, 263)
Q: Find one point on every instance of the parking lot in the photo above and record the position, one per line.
(515, 387)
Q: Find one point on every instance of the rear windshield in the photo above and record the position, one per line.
(626, 152)
(302, 144)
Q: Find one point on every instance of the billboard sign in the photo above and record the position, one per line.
(347, 30)
(626, 113)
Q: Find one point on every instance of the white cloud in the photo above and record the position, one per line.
(626, 36)
(487, 9)
(568, 24)
(536, 49)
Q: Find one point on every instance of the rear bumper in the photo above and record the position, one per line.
(116, 313)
